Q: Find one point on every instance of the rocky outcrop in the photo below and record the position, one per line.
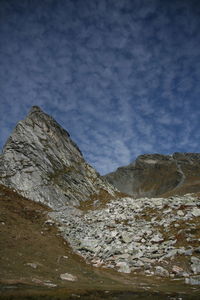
(155, 174)
(42, 163)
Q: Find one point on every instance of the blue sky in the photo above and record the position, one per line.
(122, 76)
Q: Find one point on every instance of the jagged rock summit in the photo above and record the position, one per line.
(42, 163)
(153, 175)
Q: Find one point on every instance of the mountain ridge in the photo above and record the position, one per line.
(158, 174)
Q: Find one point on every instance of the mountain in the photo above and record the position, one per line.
(155, 174)
(42, 163)
(81, 213)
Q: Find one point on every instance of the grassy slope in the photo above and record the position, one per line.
(25, 238)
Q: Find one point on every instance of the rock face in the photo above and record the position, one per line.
(42, 163)
(155, 174)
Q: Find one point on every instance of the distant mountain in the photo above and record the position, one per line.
(42, 163)
(155, 174)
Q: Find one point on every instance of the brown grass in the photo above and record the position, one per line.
(25, 238)
(103, 198)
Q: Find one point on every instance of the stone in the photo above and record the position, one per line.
(147, 260)
(188, 252)
(195, 266)
(180, 213)
(138, 264)
(171, 253)
(127, 238)
(160, 271)
(45, 283)
(157, 238)
(88, 244)
(137, 238)
(193, 280)
(68, 276)
(196, 212)
(49, 284)
(49, 222)
(122, 256)
(123, 267)
(32, 265)
(176, 225)
(178, 271)
(113, 233)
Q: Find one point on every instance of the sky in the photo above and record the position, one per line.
(121, 76)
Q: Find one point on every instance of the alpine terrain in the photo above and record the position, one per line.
(155, 174)
(64, 225)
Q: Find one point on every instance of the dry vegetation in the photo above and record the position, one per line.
(100, 200)
(26, 238)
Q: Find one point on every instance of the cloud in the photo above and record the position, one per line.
(121, 76)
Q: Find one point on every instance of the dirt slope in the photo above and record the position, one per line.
(32, 251)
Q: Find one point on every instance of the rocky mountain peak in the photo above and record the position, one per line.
(35, 108)
(42, 162)
(41, 125)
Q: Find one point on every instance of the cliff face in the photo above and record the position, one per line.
(155, 174)
(42, 163)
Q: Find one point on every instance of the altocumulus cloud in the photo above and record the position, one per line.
(122, 76)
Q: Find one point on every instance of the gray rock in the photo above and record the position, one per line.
(188, 252)
(171, 253)
(160, 271)
(157, 238)
(196, 212)
(180, 213)
(89, 245)
(194, 280)
(122, 256)
(42, 163)
(127, 238)
(32, 265)
(68, 277)
(178, 271)
(123, 267)
(195, 265)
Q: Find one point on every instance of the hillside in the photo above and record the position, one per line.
(153, 175)
(34, 256)
(33, 252)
